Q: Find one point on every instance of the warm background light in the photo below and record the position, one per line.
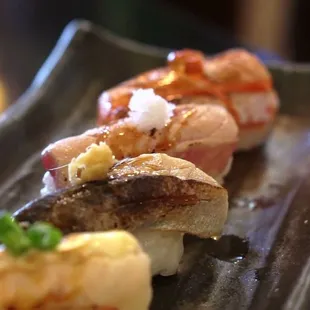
(3, 98)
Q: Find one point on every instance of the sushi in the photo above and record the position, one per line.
(80, 271)
(205, 135)
(235, 79)
(155, 197)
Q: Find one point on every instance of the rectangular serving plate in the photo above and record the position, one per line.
(267, 265)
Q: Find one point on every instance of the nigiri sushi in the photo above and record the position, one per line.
(156, 197)
(235, 79)
(205, 135)
(103, 270)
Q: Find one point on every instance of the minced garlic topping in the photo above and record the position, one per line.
(91, 165)
(148, 110)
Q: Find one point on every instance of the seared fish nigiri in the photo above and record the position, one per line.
(107, 271)
(205, 135)
(235, 79)
(156, 197)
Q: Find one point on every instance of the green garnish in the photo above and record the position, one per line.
(41, 236)
(12, 235)
(44, 236)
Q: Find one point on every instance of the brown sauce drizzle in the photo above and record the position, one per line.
(122, 134)
(168, 141)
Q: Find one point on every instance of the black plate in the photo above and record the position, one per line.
(267, 265)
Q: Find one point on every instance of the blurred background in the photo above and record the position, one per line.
(276, 30)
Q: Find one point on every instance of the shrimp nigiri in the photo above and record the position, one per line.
(205, 135)
(235, 79)
(103, 270)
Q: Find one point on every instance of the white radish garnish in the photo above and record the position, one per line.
(148, 110)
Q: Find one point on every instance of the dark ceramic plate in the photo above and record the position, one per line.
(262, 262)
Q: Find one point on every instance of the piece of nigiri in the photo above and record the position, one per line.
(235, 79)
(156, 197)
(103, 270)
(205, 135)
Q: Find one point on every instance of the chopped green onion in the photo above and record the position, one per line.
(40, 236)
(7, 223)
(44, 236)
(15, 243)
(12, 235)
